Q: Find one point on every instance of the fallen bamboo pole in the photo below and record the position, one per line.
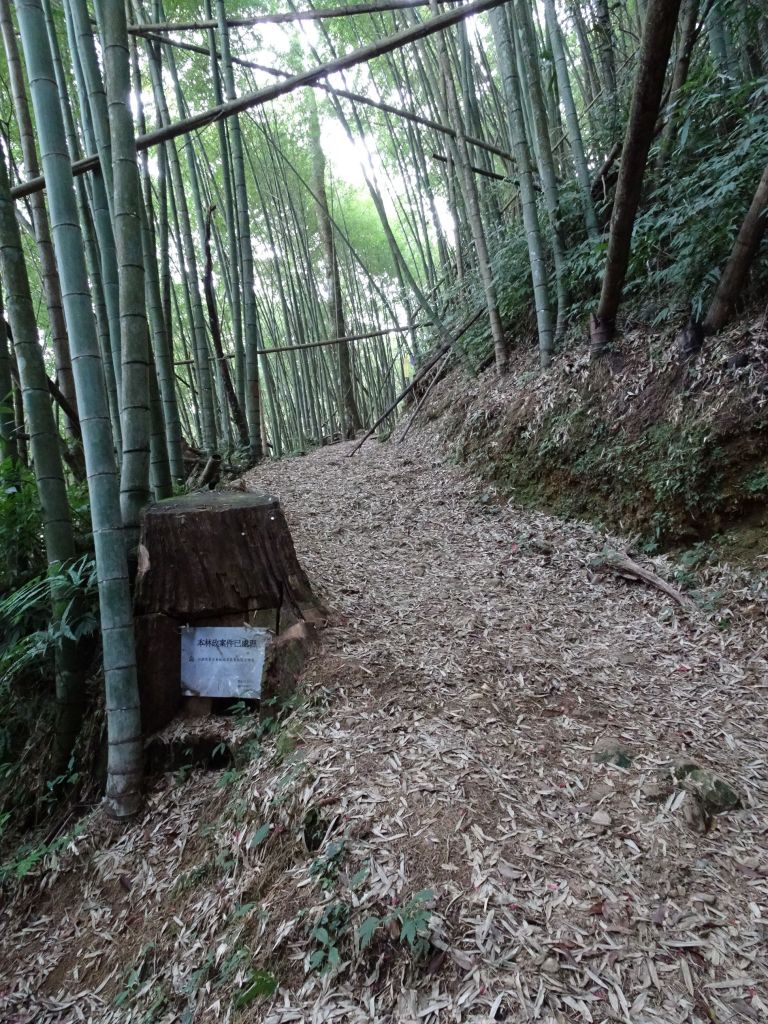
(477, 170)
(443, 350)
(427, 392)
(255, 99)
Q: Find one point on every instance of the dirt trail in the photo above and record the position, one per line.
(471, 664)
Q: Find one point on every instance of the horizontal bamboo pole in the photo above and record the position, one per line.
(255, 99)
(319, 344)
(282, 17)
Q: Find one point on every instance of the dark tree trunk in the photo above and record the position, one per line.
(742, 254)
(213, 317)
(658, 31)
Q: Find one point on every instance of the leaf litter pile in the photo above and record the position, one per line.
(513, 789)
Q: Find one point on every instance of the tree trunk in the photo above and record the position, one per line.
(744, 250)
(511, 86)
(48, 271)
(211, 559)
(46, 458)
(571, 119)
(349, 414)
(126, 217)
(607, 57)
(213, 317)
(658, 31)
(453, 115)
(525, 42)
(124, 767)
(250, 322)
(8, 449)
(688, 37)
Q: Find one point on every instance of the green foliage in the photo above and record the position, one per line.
(328, 933)
(326, 867)
(29, 635)
(28, 856)
(260, 985)
(28, 640)
(411, 919)
(21, 537)
(336, 935)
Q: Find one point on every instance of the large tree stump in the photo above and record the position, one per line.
(210, 559)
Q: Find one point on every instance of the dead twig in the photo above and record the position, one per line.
(621, 563)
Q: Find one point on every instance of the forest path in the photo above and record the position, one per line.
(474, 663)
(447, 743)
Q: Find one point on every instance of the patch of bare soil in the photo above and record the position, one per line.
(487, 720)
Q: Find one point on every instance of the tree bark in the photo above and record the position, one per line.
(511, 85)
(658, 31)
(453, 114)
(126, 218)
(213, 318)
(48, 271)
(124, 767)
(213, 559)
(688, 36)
(350, 415)
(744, 250)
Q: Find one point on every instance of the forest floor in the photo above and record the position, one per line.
(486, 719)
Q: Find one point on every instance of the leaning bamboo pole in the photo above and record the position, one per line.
(354, 97)
(255, 99)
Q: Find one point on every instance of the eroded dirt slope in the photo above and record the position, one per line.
(447, 743)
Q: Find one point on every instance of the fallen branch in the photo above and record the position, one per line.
(618, 562)
(354, 97)
(443, 350)
(436, 376)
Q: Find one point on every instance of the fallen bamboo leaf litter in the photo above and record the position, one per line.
(446, 744)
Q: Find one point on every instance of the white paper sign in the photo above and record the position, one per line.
(223, 661)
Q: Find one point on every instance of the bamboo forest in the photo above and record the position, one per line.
(383, 511)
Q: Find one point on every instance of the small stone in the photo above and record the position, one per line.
(609, 750)
(657, 790)
(715, 795)
(602, 819)
(600, 792)
(695, 814)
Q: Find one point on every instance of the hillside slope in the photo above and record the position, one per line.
(647, 442)
(477, 782)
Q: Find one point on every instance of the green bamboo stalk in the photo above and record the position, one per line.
(8, 448)
(511, 87)
(48, 272)
(251, 327)
(124, 767)
(126, 217)
(49, 473)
